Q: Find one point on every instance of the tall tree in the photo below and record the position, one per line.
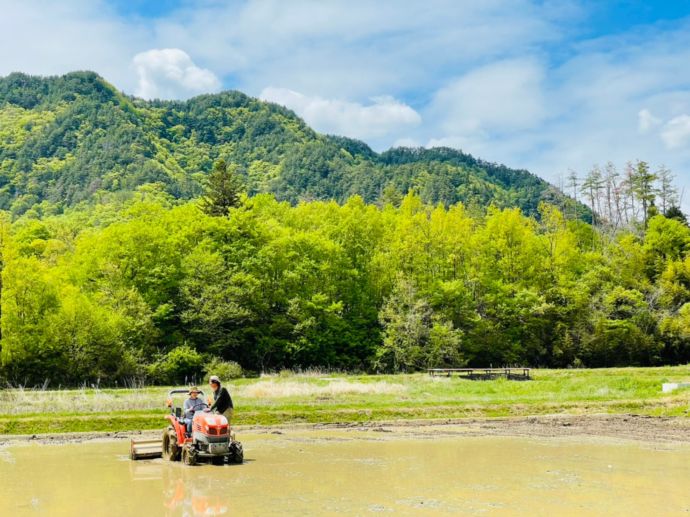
(643, 187)
(668, 193)
(573, 184)
(613, 197)
(591, 187)
(223, 189)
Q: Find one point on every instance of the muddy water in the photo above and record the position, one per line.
(355, 473)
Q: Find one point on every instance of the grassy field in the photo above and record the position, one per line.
(331, 398)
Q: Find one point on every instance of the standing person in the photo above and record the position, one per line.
(191, 406)
(222, 400)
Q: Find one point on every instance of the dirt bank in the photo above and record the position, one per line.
(627, 427)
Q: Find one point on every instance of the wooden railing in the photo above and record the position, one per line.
(520, 374)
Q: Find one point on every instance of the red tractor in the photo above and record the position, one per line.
(211, 439)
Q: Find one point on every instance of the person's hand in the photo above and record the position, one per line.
(207, 410)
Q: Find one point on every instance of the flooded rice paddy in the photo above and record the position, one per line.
(355, 472)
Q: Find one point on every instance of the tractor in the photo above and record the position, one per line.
(211, 439)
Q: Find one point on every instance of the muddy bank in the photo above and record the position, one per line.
(626, 427)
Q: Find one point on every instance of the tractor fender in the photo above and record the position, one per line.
(178, 427)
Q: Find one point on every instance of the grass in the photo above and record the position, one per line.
(314, 397)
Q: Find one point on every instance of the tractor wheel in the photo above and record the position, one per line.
(189, 456)
(171, 451)
(218, 460)
(236, 453)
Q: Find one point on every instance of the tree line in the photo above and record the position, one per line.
(623, 199)
(153, 287)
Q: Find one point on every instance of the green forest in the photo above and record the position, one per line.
(143, 240)
(73, 139)
(155, 286)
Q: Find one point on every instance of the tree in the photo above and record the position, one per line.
(642, 187)
(223, 189)
(4, 244)
(613, 209)
(668, 193)
(674, 212)
(592, 186)
(573, 184)
(391, 195)
(406, 319)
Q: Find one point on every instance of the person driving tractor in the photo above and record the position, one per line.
(191, 406)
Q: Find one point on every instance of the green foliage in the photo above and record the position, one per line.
(75, 138)
(223, 187)
(224, 370)
(414, 337)
(182, 365)
(151, 287)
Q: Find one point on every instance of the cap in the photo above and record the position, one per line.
(194, 389)
(214, 378)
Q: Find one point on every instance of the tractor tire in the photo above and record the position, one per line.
(217, 460)
(189, 456)
(236, 453)
(171, 451)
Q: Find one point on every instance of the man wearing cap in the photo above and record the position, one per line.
(221, 397)
(191, 406)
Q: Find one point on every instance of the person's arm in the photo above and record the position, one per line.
(223, 401)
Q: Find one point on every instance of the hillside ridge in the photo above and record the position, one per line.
(73, 138)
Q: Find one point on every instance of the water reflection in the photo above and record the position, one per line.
(188, 491)
(193, 499)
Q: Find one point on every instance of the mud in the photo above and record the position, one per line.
(628, 427)
(403, 469)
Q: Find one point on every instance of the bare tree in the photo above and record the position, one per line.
(613, 209)
(668, 193)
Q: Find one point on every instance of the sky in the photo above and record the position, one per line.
(548, 85)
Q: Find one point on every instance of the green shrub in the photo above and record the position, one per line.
(223, 369)
(181, 365)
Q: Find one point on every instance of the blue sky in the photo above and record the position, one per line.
(546, 85)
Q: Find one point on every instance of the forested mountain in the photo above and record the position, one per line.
(129, 250)
(74, 138)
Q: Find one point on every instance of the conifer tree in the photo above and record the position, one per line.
(223, 188)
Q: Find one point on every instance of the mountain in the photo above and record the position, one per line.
(75, 138)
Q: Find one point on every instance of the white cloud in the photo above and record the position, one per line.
(488, 104)
(646, 121)
(676, 132)
(383, 116)
(502, 96)
(50, 38)
(616, 99)
(170, 73)
(351, 48)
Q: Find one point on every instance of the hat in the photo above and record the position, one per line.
(194, 389)
(214, 378)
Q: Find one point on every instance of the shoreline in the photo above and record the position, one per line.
(640, 428)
